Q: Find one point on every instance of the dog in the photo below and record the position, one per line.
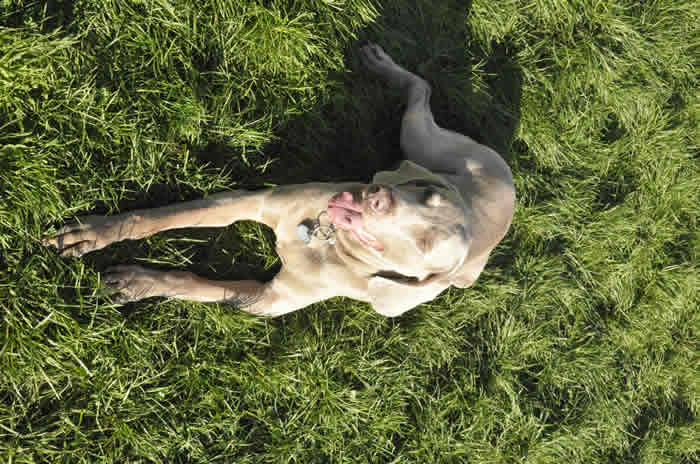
(395, 243)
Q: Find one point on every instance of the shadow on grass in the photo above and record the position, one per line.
(52, 14)
(356, 132)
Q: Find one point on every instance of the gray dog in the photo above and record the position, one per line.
(394, 243)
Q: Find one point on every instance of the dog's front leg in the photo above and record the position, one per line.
(274, 298)
(92, 233)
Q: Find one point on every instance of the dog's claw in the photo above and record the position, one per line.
(125, 284)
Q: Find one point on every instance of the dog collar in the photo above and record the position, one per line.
(309, 229)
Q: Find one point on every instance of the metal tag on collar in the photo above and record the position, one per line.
(304, 232)
(307, 230)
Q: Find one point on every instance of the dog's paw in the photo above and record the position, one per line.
(89, 233)
(376, 59)
(126, 284)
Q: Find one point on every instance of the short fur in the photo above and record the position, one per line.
(427, 225)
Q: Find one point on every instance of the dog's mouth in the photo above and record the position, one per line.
(345, 212)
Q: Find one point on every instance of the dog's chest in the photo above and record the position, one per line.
(309, 251)
(317, 251)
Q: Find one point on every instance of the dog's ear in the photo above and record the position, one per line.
(463, 280)
(393, 296)
(407, 170)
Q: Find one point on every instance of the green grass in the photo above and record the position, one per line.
(579, 343)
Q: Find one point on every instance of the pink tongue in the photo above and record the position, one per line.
(345, 214)
(345, 218)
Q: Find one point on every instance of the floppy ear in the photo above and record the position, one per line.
(465, 274)
(469, 272)
(392, 297)
(407, 170)
(462, 281)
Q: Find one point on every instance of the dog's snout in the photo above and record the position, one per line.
(378, 198)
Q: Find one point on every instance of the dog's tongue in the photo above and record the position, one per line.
(346, 214)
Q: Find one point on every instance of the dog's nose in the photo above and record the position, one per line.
(378, 198)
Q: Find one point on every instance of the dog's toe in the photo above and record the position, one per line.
(376, 59)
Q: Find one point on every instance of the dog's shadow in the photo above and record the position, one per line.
(355, 133)
(350, 135)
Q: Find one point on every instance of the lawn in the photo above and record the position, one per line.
(578, 344)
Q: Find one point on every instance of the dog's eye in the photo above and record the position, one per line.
(431, 197)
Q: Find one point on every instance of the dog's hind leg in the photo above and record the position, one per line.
(422, 140)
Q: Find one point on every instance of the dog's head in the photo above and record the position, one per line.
(411, 227)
